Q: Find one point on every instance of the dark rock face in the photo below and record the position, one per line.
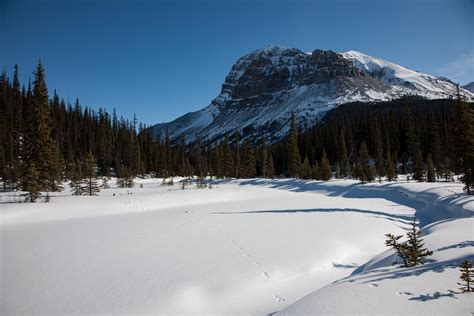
(276, 69)
(266, 85)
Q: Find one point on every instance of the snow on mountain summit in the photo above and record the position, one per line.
(265, 86)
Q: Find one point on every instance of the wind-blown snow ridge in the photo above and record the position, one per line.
(266, 85)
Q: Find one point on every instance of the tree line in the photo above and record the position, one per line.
(45, 141)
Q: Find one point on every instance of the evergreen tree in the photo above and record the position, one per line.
(237, 159)
(393, 242)
(467, 275)
(91, 185)
(430, 170)
(43, 148)
(365, 169)
(270, 166)
(263, 160)
(31, 183)
(379, 162)
(325, 167)
(294, 158)
(316, 171)
(76, 179)
(249, 163)
(464, 142)
(342, 159)
(418, 166)
(390, 171)
(306, 170)
(416, 253)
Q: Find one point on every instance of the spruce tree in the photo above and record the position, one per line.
(430, 169)
(91, 184)
(467, 276)
(418, 166)
(44, 152)
(365, 169)
(390, 171)
(393, 242)
(325, 167)
(306, 170)
(416, 253)
(342, 159)
(31, 183)
(76, 179)
(237, 158)
(270, 166)
(249, 162)
(294, 158)
(464, 142)
(263, 157)
(379, 161)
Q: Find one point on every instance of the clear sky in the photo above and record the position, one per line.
(162, 59)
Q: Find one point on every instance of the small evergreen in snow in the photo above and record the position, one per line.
(467, 275)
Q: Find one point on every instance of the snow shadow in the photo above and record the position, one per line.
(404, 219)
(426, 212)
(464, 244)
(433, 296)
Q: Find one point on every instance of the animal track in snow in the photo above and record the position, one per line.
(278, 298)
(373, 285)
(265, 275)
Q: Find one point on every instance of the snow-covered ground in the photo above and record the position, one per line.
(244, 247)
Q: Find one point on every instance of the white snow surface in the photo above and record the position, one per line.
(245, 247)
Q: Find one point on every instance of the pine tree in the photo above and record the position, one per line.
(464, 142)
(306, 170)
(379, 162)
(249, 162)
(390, 169)
(237, 159)
(418, 166)
(467, 276)
(415, 251)
(342, 159)
(365, 169)
(393, 242)
(325, 167)
(263, 157)
(294, 158)
(270, 166)
(31, 183)
(227, 158)
(316, 171)
(76, 179)
(91, 185)
(44, 152)
(430, 169)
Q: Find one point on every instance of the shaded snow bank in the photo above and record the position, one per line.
(379, 287)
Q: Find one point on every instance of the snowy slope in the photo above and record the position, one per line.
(469, 87)
(245, 247)
(266, 85)
(379, 287)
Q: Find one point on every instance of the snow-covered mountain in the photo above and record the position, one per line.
(469, 86)
(265, 86)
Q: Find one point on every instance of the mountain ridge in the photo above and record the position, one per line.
(265, 86)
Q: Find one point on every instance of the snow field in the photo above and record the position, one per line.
(244, 247)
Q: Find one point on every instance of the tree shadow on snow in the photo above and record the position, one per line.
(426, 213)
(405, 219)
(433, 296)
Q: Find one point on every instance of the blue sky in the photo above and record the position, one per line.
(162, 59)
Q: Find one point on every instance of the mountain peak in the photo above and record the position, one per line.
(266, 85)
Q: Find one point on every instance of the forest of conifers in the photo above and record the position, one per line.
(46, 141)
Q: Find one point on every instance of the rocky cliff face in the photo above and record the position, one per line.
(265, 86)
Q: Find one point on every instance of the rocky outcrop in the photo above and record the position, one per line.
(265, 86)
